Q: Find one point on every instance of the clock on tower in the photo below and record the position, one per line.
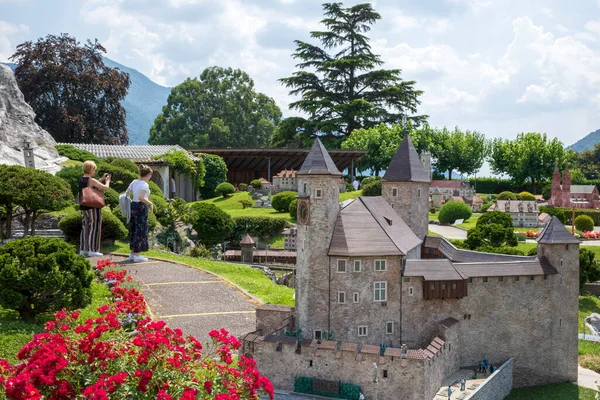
(303, 216)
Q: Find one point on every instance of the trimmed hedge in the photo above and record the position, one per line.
(294, 208)
(257, 226)
(243, 187)
(526, 196)
(111, 198)
(584, 223)
(225, 189)
(564, 214)
(123, 163)
(372, 189)
(120, 177)
(73, 153)
(160, 207)
(71, 175)
(368, 180)
(256, 184)
(210, 223)
(281, 201)
(454, 210)
(112, 227)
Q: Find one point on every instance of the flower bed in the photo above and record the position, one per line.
(591, 235)
(124, 354)
(532, 233)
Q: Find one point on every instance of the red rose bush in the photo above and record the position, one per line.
(101, 359)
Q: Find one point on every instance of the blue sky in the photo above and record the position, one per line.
(498, 67)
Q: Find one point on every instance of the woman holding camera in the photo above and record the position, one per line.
(138, 224)
(91, 218)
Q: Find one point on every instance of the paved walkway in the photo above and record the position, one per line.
(588, 378)
(447, 231)
(191, 299)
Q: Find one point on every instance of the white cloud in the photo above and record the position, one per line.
(593, 26)
(10, 35)
(547, 12)
(562, 28)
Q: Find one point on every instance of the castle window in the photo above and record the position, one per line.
(342, 297)
(485, 279)
(561, 262)
(517, 278)
(380, 265)
(443, 286)
(362, 331)
(454, 286)
(531, 278)
(411, 291)
(341, 266)
(419, 193)
(389, 328)
(406, 280)
(355, 297)
(318, 193)
(356, 265)
(304, 191)
(545, 277)
(500, 279)
(470, 280)
(310, 363)
(431, 251)
(385, 374)
(394, 192)
(318, 334)
(380, 291)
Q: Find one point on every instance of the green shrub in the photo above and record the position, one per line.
(160, 208)
(486, 206)
(349, 187)
(454, 210)
(243, 187)
(521, 236)
(493, 229)
(71, 175)
(257, 226)
(170, 238)
(507, 196)
(215, 173)
(39, 274)
(372, 189)
(256, 184)
(73, 153)
(199, 251)
(246, 203)
(152, 221)
(368, 180)
(111, 198)
(589, 270)
(123, 163)
(491, 185)
(112, 227)
(432, 210)
(155, 189)
(501, 250)
(281, 201)
(294, 208)
(561, 213)
(526, 196)
(120, 177)
(584, 223)
(225, 189)
(211, 223)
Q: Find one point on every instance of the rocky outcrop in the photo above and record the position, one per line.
(593, 321)
(17, 125)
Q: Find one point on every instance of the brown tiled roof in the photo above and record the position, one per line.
(286, 174)
(542, 216)
(369, 349)
(510, 268)
(513, 205)
(432, 269)
(137, 153)
(556, 233)
(416, 354)
(449, 322)
(406, 165)
(352, 347)
(477, 200)
(319, 162)
(247, 240)
(460, 199)
(393, 352)
(461, 255)
(370, 217)
(447, 184)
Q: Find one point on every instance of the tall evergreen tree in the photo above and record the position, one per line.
(341, 87)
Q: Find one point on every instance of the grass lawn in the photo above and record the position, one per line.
(350, 195)
(14, 333)
(433, 217)
(232, 206)
(471, 222)
(588, 304)
(589, 355)
(72, 163)
(251, 280)
(274, 242)
(555, 391)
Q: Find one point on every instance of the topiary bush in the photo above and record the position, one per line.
(507, 196)
(215, 173)
(246, 203)
(73, 153)
(120, 177)
(584, 223)
(257, 226)
(111, 198)
(281, 201)
(225, 189)
(526, 196)
(454, 210)
(432, 210)
(123, 163)
(199, 251)
(39, 274)
(368, 180)
(294, 208)
(493, 229)
(71, 175)
(256, 184)
(211, 223)
(372, 189)
(112, 227)
(243, 187)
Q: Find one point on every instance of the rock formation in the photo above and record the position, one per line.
(17, 125)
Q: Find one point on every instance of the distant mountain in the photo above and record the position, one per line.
(143, 103)
(586, 143)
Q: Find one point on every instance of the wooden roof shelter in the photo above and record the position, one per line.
(244, 165)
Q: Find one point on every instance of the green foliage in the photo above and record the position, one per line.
(257, 226)
(432, 210)
(563, 214)
(529, 156)
(584, 223)
(120, 177)
(294, 208)
(216, 172)
(589, 270)
(245, 203)
(494, 229)
(281, 201)
(122, 163)
(526, 196)
(112, 227)
(368, 180)
(491, 185)
(152, 221)
(452, 211)
(243, 187)
(170, 238)
(349, 187)
(181, 162)
(463, 151)
(75, 96)
(199, 251)
(160, 207)
(501, 250)
(111, 198)
(211, 223)
(372, 189)
(506, 196)
(547, 191)
(73, 153)
(345, 90)
(40, 274)
(256, 184)
(219, 109)
(154, 189)
(486, 206)
(225, 189)
(71, 176)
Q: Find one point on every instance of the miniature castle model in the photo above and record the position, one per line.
(523, 213)
(572, 196)
(373, 288)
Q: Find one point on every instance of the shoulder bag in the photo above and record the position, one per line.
(91, 197)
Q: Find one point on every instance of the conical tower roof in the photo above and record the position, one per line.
(406, 165)
(247, 240)
(556, 233)
(319, 162)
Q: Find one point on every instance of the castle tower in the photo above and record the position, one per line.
(405, 186)
(247, 245)
(555, 194)
(558, 247)
(318, 208)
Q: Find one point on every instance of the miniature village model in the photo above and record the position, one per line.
(382, 305)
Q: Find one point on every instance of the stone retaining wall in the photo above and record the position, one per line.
(497, 386)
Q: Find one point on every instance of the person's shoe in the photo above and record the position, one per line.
(131, 257)
(139, 259)
(95, 254)
(83, 253)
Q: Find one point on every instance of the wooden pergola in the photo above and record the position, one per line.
(244, 165)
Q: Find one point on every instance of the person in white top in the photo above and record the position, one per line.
(138, 223)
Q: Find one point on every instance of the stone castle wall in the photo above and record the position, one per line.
(497, 386)
(411, 203)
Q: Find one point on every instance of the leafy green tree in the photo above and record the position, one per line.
(180, 161)
(372, 189)
(221, 108)
(281, 201)
(225, 189)
(75, 96)
(453, 210)
(382, 142)
(212, 224)
(339, 82)
(459, 150)
(584, 223)
(216, 172)
(589, 270)
(39, 274)
(493, 229)
(531, 156)
(293, 208)
(9, 197)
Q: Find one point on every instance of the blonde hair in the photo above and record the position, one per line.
(145, 170)
(88, 166)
